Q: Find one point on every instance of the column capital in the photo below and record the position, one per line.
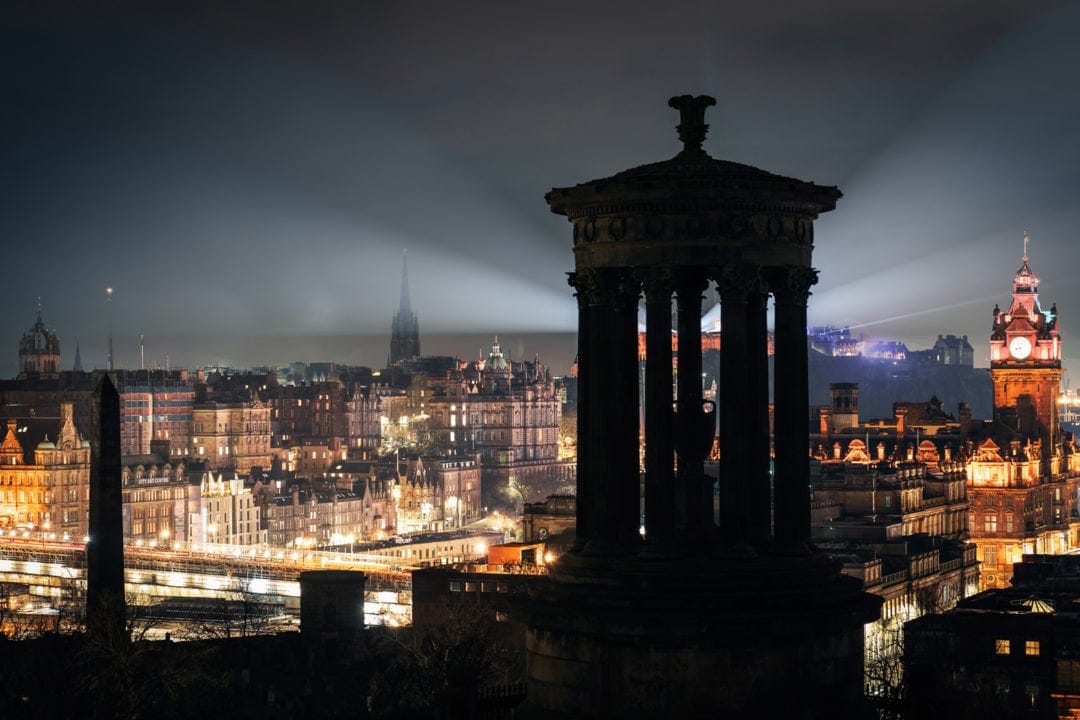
(737, 283)
(689, 284)
(792, 284)
(658, 284)
(613, 287)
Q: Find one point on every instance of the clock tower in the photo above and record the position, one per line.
(1025, 363)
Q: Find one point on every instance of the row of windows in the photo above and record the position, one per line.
(482, 586)
(1003, 646)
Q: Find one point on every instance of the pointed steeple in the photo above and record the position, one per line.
(78, 359)
(405, 331)
(404, 308)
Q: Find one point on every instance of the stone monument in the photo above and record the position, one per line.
(720, 607)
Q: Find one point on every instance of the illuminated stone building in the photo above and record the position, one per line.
(363, 419)
(45, 483)
(438, 494)
(225, 513)
(155, 405)
(897, 522)
(309, 519)
(309, 412)
(154, 496)
(232, 434)
(377, 484)
(1023, 473)
(728, 608)
(508, 413)
(39, 350)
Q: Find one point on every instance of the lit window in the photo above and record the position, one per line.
(455, 586)
(1001, 647)
(990, 522)
(1031, 647)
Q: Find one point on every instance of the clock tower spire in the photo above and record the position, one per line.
(1025, 363)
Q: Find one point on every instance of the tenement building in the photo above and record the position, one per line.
(155, 405)
(154, 496)
(232, 433)
(643, 623)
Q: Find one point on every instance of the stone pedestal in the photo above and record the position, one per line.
(731, 637)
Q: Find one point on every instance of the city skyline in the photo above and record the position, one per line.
(246, 178)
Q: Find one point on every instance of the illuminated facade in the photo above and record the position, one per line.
(155, 405)
(437, 494)
(154, 500)
(1022, 478)
(507, 413)
(363, 413)
(45, 484)
(305, 519)
(232, 435)
(225, 513)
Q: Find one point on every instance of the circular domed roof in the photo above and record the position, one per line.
(693, 210)
(691, 177)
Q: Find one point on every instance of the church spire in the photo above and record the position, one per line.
(404, 308)
(405, 331)
(78, 359)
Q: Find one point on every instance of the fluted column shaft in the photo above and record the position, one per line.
(659, 440)
(744, 396)
(609, 489)
(586, 438)
(694, 501)
(791, 288)
(759, 490)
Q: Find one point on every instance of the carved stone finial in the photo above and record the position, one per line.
(691, 127)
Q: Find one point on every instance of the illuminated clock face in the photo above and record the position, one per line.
(1020, 347)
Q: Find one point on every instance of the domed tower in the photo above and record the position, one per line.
(39, 350)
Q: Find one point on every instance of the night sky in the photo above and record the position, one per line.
(247, 176)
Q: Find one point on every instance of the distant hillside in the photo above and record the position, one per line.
(883, 382)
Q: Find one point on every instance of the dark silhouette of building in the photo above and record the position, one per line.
(405, 332)
(734, 613)
(1004, 653)
(39, 350)
(952, 350)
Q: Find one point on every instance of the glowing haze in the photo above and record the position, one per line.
(247, 177)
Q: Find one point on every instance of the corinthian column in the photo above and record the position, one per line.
(659, 441)
(608, 490)
(693, 427)
(791, 288)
